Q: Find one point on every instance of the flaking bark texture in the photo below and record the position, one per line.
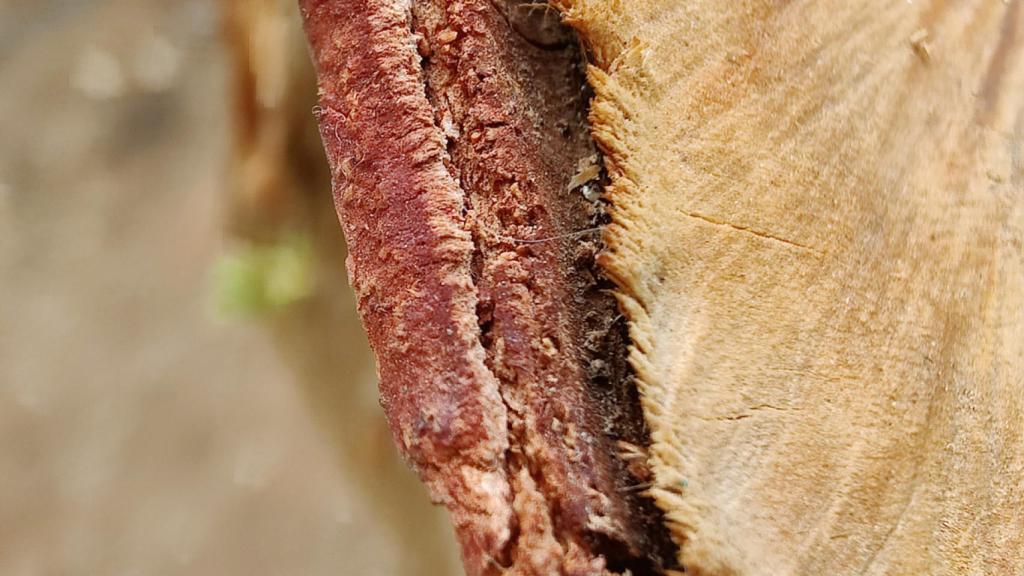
(278, 180)
(409, 263)
(458, 140)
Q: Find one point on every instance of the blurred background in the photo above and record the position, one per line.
(184, 384)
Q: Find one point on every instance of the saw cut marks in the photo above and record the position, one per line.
(818, 220)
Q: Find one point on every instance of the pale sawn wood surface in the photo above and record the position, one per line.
(818, 227)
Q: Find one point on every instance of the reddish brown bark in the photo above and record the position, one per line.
(453, 130)
(409, 256)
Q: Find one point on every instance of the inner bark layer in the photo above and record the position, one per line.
(507, 85)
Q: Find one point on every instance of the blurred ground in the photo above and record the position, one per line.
(140, 433)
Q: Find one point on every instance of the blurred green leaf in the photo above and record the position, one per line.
(254, 280)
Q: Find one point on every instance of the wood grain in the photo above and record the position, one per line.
(817, 236)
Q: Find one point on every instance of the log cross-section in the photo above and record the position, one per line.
(818, 221)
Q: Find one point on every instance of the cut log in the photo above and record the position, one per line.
(816, 236)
